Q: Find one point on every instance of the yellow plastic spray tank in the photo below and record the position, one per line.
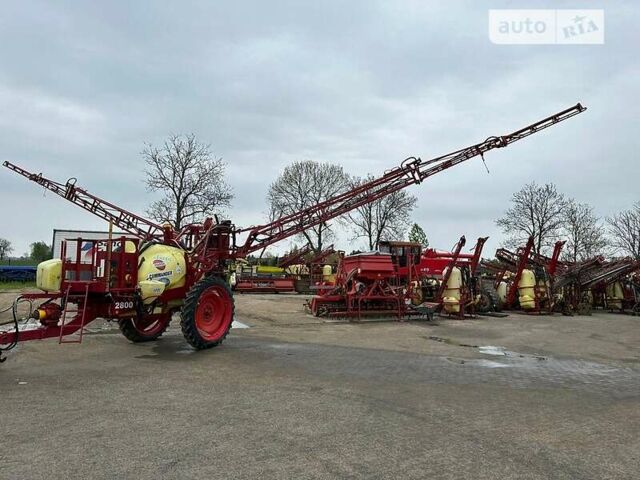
(49, 275)
(615, 295)
(502, 292)
(526, 292)
(162, 263)
(451, 295)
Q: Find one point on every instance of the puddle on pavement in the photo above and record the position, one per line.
(488, 363)
(175, 347)
(493, 350)
(167, 349)
(448, 341)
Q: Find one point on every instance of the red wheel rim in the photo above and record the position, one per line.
(213, 313)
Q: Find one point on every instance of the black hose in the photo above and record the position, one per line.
(16, 325)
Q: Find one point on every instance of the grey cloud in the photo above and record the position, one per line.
(362, 84)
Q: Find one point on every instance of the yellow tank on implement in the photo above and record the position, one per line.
(327, 274)
(49, 275)
(267, 270)
(502, 291)
(162, 263)
(526, 290)
(615, 295)
(451, 295)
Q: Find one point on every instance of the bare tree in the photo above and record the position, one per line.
(5, 248)
(584, 232)
(536, 210)
(304, 184)
(624, 229)
(384, 219)
(190, 178)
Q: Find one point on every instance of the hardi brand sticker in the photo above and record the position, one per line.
(164, 277)
(153, 276)
(159, 264)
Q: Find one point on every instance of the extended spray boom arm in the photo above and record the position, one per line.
(119, 217)
(412, 171)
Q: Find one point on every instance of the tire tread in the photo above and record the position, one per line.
(188, 317)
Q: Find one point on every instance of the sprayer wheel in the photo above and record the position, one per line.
(207, 313)
(318, 309)
(145, 329)
(489, 302)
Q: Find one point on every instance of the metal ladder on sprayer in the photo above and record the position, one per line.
(77, 311)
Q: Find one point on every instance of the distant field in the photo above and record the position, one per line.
(16, 285)
(19, 262)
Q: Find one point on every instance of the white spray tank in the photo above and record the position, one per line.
(451, 294)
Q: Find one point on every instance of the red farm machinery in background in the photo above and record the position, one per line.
(525, 280)
(595, 283)
(365, 283)
(299, 271)
(401, 279)
(317, 270)
(450, 279)
(266, 279)
(142, 283)
(535, 283)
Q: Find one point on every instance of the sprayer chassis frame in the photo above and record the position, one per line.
(97, 297)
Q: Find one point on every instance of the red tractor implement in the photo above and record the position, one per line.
(259, 279)
(185, 270)
(613, 285)
(249, 279)
(526, 279)
(366, 283)
(392, 282)
(319, 271)
(458, 290)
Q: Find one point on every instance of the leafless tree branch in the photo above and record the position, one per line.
(190, 178)
(384, 219)
(583, 231)
(624, 229)
(536, 210)
(304, 184)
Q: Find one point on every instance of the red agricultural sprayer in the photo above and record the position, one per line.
(142, 282)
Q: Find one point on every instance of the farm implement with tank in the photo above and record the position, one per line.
(142, 282)
(401, 279)
(524, 279)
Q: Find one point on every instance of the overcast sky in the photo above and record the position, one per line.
(364, 84)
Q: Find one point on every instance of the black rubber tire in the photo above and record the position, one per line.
(134, 335)
(497, 303)
(490, 302)
(188, 313)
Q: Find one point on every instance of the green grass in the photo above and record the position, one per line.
(19, 262)
(16, 285)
